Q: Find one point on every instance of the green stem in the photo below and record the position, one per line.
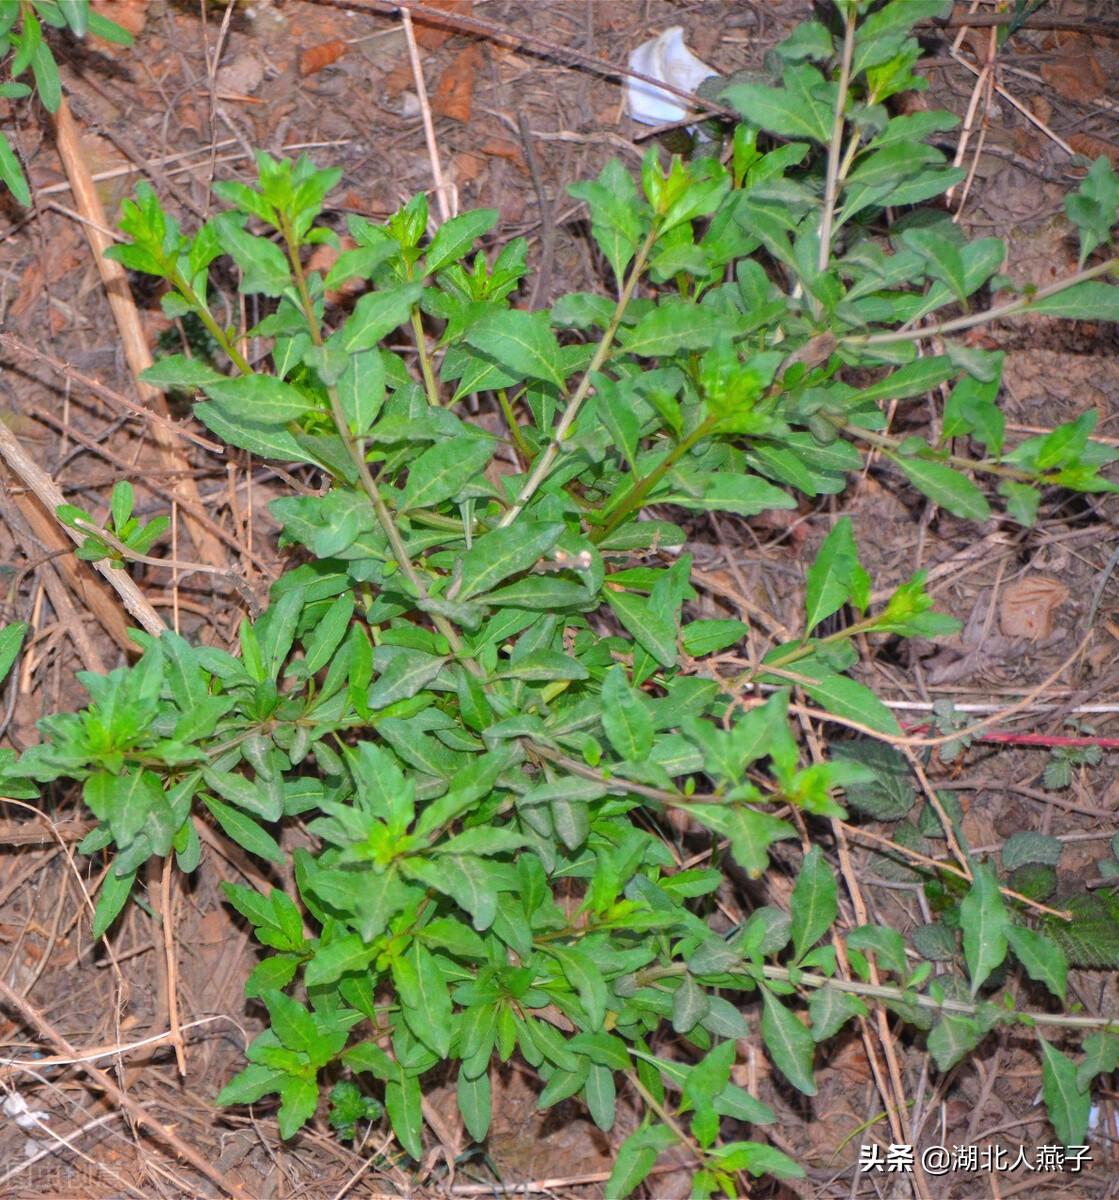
(546, 460)
(431, 386)
(206, 317)
(635, 497)
(956, 1007)
(890, 447)
(356, 452)
(1011, 308)
(523, 448)
(835, 147)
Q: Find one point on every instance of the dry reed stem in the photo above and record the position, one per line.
(119, 294)
(46, 491)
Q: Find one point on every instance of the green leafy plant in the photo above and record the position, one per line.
(1062, 759)
(482, 690)
(24, 47)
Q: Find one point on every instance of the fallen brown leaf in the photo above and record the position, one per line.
(431, 37)
(1092, 147)
(1027, 606)
(315, 58)
(454, 93)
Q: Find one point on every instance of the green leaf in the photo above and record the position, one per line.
(601, 1096)
(835, 577)
(115, 890)
(626, 719)
(750, 832)
(636, 1157)
(47, 82)
(261, 399)
(690, 1004)
(12, 173)
(1029, 846)
(245, 793)
(454, 238)
(886, 944)
(653, 632)
(267, 441)
(376, 315)
(618, 214)
(880, 35)
(1093, 207)
(361, 390)
(1022, 501)
(250, 1084)
(889, 795)
(946, 487)
(404, 1104)
(585, 976)
(349, 953)
(746, 495)
(11, 639)
(913, 379)
(1090, 301)
(813, 904)
(503, 552)
(848, 698)
(704, 637)
(424, 999)
(275, 971)
(1067, 1104)
(1043, 959)
(831, 1009)
(522, 342)
(475, 1102)
(443, 470)
(951, 1038)
(291, 1022)
(984, 921)
(671, 327)
(942, 257)
(789, 1043)
(802, 108)
(1101, 1057)
(178, 371)
(407, 673)
(264, 266)
(245, 831)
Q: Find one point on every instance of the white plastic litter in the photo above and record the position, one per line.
(668, 60)
(15, 1106)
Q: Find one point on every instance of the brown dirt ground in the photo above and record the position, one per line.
(338, 82)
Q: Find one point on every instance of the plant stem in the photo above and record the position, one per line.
(960, 1007)
(206, 317)
(890, 447)
(835, 147)
(523, 448)
(431, 386)
(881, 991)
(635, 497)
(547, 458)
(356, 452)
(1009, 309)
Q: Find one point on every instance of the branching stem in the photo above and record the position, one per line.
(1011, 308)
(547, 458)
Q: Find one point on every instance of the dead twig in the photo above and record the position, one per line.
(119, 294)
(35, 1020)
(46, 491)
